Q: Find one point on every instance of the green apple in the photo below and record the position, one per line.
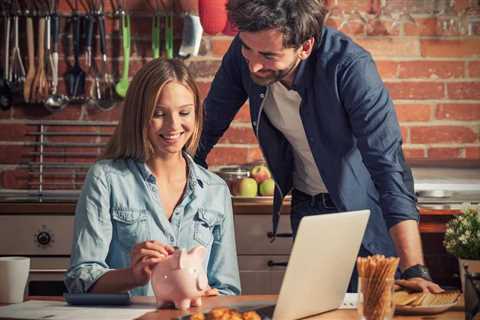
(260, 173)
(248, 187)
(267, 187)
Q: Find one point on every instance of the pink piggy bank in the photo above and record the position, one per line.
(180, 278)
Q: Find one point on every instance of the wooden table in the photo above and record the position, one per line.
(456, 313)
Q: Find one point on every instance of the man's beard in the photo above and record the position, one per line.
(274, 76)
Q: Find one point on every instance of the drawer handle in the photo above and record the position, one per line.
(279, 235)
(272, 263)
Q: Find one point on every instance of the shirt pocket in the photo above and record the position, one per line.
(205, 224)
(130, 226)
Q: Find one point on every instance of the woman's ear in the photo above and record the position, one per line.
(306, 48)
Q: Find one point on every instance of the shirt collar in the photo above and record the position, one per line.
(193, 179)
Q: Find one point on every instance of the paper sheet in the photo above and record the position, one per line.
(59, 310)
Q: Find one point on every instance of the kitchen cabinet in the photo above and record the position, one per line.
(43, 231)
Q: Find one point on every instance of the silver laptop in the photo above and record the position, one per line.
(320, 265)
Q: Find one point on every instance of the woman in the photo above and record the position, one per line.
(146, 196)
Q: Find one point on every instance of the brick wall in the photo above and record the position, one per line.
(432, 74)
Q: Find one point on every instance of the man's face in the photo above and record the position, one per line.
(267, 59)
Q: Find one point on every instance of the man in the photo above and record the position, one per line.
(324, 122)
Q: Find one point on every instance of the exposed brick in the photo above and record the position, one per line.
(361, 5)
(404, 132)
(422, 27)
(38, 112)
(14, 179)
(464, 90)
(219, 46)
(354, 28)
(95, 114)
(472, 153)
(413, 112)
(239, 135)
(387, 69)
(411, 153)
(227, 155)
(12, 154)
(243, 115)
(442, 134)
(14, 132)
(458, 111)
(467, 47)
(444, 153)
(416, 90)
(203, 88)
(203, 69)
(391, 47)
(474, 69)
(431, 69)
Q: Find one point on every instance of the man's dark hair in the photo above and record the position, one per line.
(297, 20)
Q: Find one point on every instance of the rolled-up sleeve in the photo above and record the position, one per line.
(92, 234)
(223, 271)
(375, 125)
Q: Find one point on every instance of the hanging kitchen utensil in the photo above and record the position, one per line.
(27, 85)
(40, 85)
(107, 98)
(5, 91)
(169, 35)
(156, 36)
(55, 102)
(213, 15)
(75, 76)
(94, 93)
(192, 29)
(122, 86)
(17, 69)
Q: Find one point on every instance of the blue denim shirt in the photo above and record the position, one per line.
(350, 124)
(119, 207)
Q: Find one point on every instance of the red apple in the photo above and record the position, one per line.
(267, 187)
(247, 187)
(260, 173)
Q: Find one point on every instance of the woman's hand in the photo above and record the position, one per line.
(211, 292)
(144, 256)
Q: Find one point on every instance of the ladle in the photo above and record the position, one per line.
(55, 102)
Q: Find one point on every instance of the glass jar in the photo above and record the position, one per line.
(233, 176)
(375, 298)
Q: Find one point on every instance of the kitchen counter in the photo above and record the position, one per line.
(456, 313)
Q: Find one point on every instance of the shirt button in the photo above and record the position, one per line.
(262, 95)
(254, 123)
(172, 239)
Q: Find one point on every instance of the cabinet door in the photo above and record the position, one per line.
(259, 276)
(252, 231)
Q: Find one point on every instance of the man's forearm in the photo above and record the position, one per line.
(408, 245)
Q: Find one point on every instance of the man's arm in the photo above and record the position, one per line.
(379, 140)
(406, 237)
(223, 101)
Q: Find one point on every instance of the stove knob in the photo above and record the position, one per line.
(44, 238)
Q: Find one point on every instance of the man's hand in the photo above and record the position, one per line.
(419, 284)
(211, 292)
(144, 257)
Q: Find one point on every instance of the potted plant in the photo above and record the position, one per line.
(462, 239)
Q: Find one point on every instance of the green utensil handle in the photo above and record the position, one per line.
(126, 44)
(169, 36)
(156, 37)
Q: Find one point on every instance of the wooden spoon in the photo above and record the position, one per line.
(40, 84)
(27, 85)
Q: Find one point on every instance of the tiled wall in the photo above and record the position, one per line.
(431, 68)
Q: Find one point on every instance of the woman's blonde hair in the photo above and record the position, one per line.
(130, 139)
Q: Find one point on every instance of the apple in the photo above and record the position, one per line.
(247, 187)
(267, 187)
(260, 173)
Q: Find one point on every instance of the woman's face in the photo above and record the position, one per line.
(173, 120)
